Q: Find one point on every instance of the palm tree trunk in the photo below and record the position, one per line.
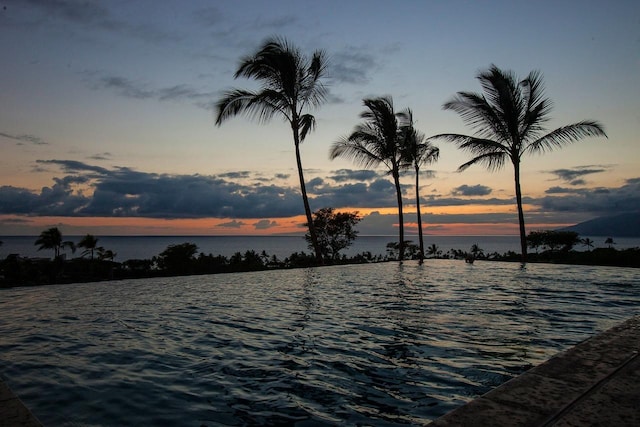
(523, 234)
(420, 238)
(396, 179)
(305, 199)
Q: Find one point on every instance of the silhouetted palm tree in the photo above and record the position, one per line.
(376, 141)
(417, 151)
(433, 250)
(52, 239)
(89, 242)
(291, 85)
(508, 120)
(587, 242)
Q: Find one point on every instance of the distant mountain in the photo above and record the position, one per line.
(623, 225)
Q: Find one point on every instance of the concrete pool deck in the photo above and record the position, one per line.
(595, 383)
(13, 413)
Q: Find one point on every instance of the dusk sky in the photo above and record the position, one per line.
(107, 120)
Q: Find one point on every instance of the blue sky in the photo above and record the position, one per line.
(106, 120)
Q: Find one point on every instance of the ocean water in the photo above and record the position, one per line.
(145, 247)
(376, 344)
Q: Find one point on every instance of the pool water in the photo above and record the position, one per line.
(376, 344)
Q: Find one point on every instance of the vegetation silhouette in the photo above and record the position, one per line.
(291, 84)
(509, 123)
(89, 243)
(183, 259)
(377, 140)
(335, 231)
(416, 152)
(52, 239)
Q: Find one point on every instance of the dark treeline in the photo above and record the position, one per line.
(184, 259)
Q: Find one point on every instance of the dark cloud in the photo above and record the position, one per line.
(573, 175)
(602, 201)
(101, 156)
(73, 166)
(352, 65)
(142, 90)
(90, 15)
(236, 175)
(264, 224)
(342, 175)
(24, 138)
(88, 190)
(232, 224)
(471, 190)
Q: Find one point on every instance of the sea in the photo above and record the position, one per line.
(145, 247)
(381, 344)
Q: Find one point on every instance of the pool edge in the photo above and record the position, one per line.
(13, 413)
(596, 382)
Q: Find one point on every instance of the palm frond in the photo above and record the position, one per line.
(474, 110)
(256, 105)
(354, 151)
(307, 124)
(566, 135)
(491, 161)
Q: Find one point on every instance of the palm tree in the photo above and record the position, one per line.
(52, 239)
(291, 85)
(433, 250)
(587, 242)
(417, 151)
(90, 243)
(508, 120)
(377, 141)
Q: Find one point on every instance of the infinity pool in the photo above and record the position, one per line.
(378, 344)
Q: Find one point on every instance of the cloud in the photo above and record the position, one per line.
(90, 15)
(73, 166)
(232, 224)
(265, 224)
(84, 190)
(24, 138)
(101, 156)
(343, 175)
(573, 175)
(602, 201)
(141, 90)
(352, 65)
(471, 190)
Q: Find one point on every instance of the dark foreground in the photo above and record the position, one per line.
(596, 383)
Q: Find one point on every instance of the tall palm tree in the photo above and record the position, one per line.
(417, 151)
(291, 84)
(90, 243)
(508, 120)
(52, 239)
(377, 141)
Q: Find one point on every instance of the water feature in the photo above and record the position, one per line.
(380, 344)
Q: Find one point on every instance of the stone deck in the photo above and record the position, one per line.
(13, 413)
(596, 383)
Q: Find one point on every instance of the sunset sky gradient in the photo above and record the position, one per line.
(107, 120)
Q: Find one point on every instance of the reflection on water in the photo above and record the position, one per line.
(378, 344)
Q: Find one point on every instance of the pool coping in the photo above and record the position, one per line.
(13, 413)
(597, 382)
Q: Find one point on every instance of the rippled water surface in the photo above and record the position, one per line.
(380, 344)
